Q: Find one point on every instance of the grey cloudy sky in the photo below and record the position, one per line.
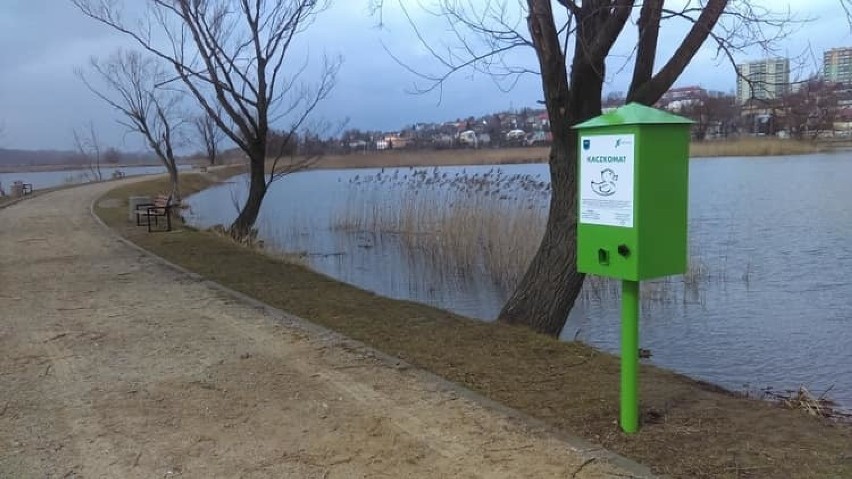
(42, 41)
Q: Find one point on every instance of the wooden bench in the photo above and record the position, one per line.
(19, 189)
(160, 208)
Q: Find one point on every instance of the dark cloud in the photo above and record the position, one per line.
(42, 41)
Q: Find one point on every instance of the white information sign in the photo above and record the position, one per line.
(606, 180)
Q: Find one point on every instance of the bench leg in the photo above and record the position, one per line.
(143, 214)
(156, 223)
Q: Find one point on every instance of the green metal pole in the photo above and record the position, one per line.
(630, 356)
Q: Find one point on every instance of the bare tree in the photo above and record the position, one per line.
(714, 116)
(129, 84)
(235, 55)
(811, 109)
(572, 41)
(209, 134)
(89, 147)
(112, 156)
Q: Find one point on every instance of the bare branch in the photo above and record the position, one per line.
(846, 5)
(646, 48)
(572, 7)
(484, 33)
(331, 67)
(88, 145)
(650, 91)
(127, 83)
(613, 21)
(209, 134)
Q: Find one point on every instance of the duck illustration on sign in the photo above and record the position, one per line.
(606, 179)
(606, 186)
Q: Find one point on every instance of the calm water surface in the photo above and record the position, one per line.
(49, 179)
(775, 235)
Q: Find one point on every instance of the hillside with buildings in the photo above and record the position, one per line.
(765, 102)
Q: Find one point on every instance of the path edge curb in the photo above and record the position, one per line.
(584, 447)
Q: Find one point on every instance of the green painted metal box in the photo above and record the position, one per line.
(632, 193)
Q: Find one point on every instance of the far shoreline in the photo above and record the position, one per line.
(742, 147)
(5, 169)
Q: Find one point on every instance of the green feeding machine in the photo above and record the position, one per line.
(632, 214)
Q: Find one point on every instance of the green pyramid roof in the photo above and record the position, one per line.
(634, 114)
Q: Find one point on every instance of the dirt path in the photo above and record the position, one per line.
(113, 365)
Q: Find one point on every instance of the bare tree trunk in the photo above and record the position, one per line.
(209, 134)
(173, 177)
(89, 146)
(166, 153)
(241, 228)
(95, 165)
(551, 284)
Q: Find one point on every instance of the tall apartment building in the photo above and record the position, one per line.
(837, 65)
(768, 79)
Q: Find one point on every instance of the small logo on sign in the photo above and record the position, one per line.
(587, 144)
(606, 186)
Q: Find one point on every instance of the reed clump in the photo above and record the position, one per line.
(802, 399)
(483, 223)
(471, 223)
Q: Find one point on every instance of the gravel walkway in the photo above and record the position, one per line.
(114, 365)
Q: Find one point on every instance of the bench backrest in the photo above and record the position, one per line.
(161, 201)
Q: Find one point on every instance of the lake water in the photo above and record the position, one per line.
(773, 308)
(49, 179)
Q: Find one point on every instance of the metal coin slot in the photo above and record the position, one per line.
(603, 257)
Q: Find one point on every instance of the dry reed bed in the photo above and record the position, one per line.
(752, 147)
(484, 223)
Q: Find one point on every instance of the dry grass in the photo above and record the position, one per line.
(258, 246)
(752, 147)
